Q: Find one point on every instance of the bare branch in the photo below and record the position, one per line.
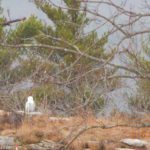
(7, 23)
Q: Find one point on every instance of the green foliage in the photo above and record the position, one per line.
(73, 4)
(6, 57)
(69, 29)
(47, 92)
(26, 30)
(1, 27)
(17, 74)
(98, 104)
(95, 101)
(54, 14)
(2, 19)
(142, 98)
(144, 88)
(40, 70)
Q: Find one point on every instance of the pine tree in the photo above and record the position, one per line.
(141, 99)
(68, 32)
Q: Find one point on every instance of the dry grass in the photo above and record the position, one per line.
(63, 130)
(29, 134)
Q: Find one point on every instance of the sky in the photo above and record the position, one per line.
(25, 8)
(14, 9)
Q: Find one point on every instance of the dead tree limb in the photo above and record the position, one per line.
(84, 129)
(7, 23)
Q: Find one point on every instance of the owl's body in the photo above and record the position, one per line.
(30, 105)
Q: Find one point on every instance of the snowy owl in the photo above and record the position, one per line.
(30, 105)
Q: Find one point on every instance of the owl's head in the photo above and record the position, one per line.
(30, 99)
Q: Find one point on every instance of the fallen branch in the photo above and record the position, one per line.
(66, 147)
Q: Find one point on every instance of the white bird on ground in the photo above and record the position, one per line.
(30, 105)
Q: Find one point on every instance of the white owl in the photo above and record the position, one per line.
(30, 105)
